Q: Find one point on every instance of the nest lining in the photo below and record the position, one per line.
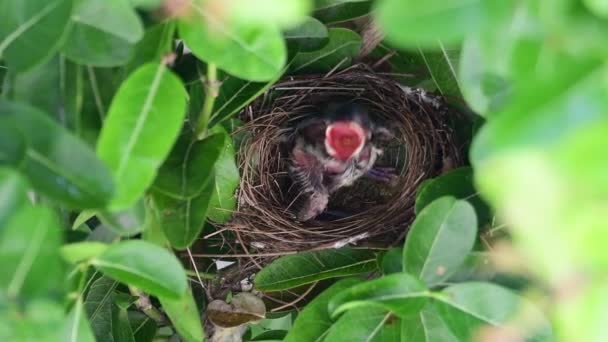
(423, 147)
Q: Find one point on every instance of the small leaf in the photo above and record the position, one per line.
(82, 251)
(31, 31)
(448, 21)
(55, 159)
(365, 324)
(468, 306)
(143, 327)
(126, 222)
(99, 305)
(426, 326)
(310, 35)
(29, 254)
(142, 125)
(13, 193)
(102, 33)
(188, 169)
(146, 266)
(184, 315)
(314, 321)
(392, 261)
(307, 267)
(457, 183)
(121, 326)
(254, 52)
(401, 293)
(342, 47)
(243, 308)
(439, 240)
(335, 11)
(77, 328)
(183, 220)
(223, 201)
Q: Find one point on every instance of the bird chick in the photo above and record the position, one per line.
(333, 151)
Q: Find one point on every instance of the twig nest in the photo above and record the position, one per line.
(379, 213)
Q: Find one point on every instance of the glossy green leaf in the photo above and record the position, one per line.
(429, 21)
(223, 200)
(254, 52)
(342, 47)
(314, 321)
(457, 183)
(29, 254)
(184, 315)
(82, 251)
(366, 324)
(156, 43)
(99, 305)
(335, 11)
(400, 293)
(310, 35)
(31, 31)
(142, 125)
(442, 66)
(188, 169)
(12, 143)
(77, 328)
(55, 160)
(440, 239)
(307, 267)
(392, 261)
(126, 222)
(146, 266)
(468, 306)
(102, 33)
(143, 327)
(286, 13)
(426, 326)
(13, 193)
(183, 220)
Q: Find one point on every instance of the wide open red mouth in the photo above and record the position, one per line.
(344, 139)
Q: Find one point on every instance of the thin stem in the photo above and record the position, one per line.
(211, 92)
(143, 303)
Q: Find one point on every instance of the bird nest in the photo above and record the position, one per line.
(378, 213)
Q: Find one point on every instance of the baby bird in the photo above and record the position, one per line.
(333, 151)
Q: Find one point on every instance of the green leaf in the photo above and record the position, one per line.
(365, 324)
(35, 320)
(146, 4)
(335, 11)
(99, 306)
(448, 21)
(392, 261)
(29, 254)
(457, 183)
(31, 31)
(401, 293)
(342, 47)
(254, 52)
(283, 13)
(440, 239)
(189, 168)
(77, 328)
(126, 222)
(143, 327)
(146, 266)
(55, 160)
(142, 124)
(12, 143)
(442, 66)
(183, 220)
(82, 251)
(310, 35)
(156, 43)
(102, 33)
(307, 267)
(223, 201)
(121, 326)
(426, 326)
(13, 193)
(184, 315)
(468, 306)
(314, 321)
